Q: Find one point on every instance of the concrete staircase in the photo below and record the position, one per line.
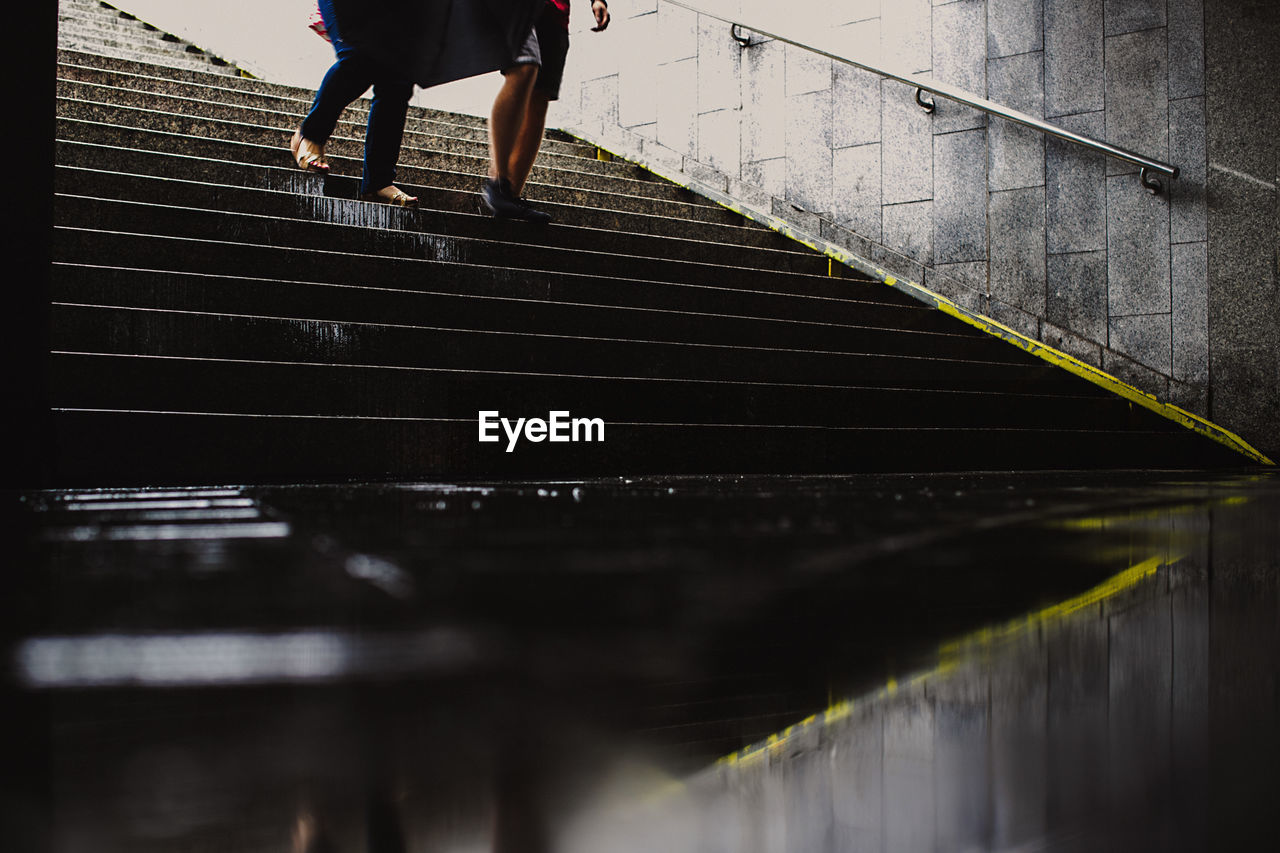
(220, 316)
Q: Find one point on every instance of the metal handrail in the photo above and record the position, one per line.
(1147, 165)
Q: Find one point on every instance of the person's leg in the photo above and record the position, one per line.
(346, 80)
(528, 141)
(385, 133)
(553, 47)
(508, 117)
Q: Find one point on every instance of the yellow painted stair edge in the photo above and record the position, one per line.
(1039, 349)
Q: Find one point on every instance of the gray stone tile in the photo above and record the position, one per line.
(1246, 385)
(639, 8)
(857, 782)
(750, 194)
(1016, 223)
(843, 237)
(1077, 294)
(1141, 687)
(971, 275)
(959, 58)
(807, 817)
(1076, 188)
(859, 41)
(637, 78)
(856, 185)
(906, 35)
(1077, 720)
(1139, 376)
(677, 34)
(1137, 249)
(798, 216)
(908, 776)
(1188, 219)
(1072, 57)
(1014, 26)
(1193, 398)
(600, 101)
(908, 229)
(1015, 318)
(896, 263)
(851, 10)
(1016, 152)
(960, 196)
(719, 68)
(764, 102)
(678, 106)
(1145, 338)
(709, 175)
(855, 115)
(809, 158)
(719, 140)
(768, 175)
(1019, 715)
(1086, 350)
(1136, 74)
(647, 131)
(1126, 16)
(962, 775)
(1186, 48)
(806, 71)
(1190, 264)
(907, 132)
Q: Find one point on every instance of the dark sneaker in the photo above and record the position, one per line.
(503, 204)
(532, 213)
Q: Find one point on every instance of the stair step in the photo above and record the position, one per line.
(128, 448)
(196, 291)
(469, 156)
(269, 147)
(462, 198)
(424, 133)
(366, 304)
(208, 196)
(160, 53)
(187, 334)
(146, 383)
(414, 255)
(89, 61)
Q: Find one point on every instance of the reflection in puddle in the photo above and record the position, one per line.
(559, 668)
(1140, 714)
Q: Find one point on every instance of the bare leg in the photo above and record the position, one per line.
(528, 141)
(508, 117)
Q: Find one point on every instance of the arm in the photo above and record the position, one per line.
(600, 9)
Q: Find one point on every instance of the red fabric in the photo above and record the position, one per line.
(561, 11)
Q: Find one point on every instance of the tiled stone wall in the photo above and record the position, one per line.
(1060, 243)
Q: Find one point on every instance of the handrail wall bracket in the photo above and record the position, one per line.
(926, 104)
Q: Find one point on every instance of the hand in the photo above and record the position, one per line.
(601, 12)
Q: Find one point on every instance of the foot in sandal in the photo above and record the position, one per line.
(308, 155)
(391, 194)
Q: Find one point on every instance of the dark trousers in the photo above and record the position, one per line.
(349, 78)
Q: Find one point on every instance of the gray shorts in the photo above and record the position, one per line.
(529, 53)
(547, 47)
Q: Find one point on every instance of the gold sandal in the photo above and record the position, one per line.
(391, 194)
(308, 155)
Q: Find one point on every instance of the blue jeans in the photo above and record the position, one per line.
(349, 78)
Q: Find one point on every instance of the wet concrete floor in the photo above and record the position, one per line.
(945, 662)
